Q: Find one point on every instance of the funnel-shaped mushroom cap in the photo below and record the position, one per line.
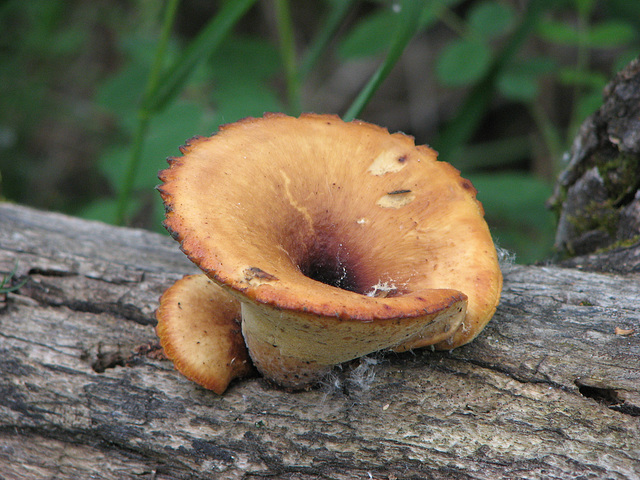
(334, 224)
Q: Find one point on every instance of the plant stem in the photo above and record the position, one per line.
(288, 54)
(550, 135)
(327, 31)
(143, 113)
(453, 21)
(8, 278)
(207, 41)
(458, 131)
(582, 63)
(158, 94)
(408, 24)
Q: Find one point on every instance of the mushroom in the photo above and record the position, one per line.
(337, 239)
(199, 328)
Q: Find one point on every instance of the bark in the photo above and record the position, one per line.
(548, 390)
(597, 196)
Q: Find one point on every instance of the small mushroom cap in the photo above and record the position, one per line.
(199, 329)
(332, 218)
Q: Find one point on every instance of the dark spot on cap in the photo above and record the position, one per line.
(399, 192)
(467, 185)
(255, 272)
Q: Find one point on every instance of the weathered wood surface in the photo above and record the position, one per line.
(547, 391)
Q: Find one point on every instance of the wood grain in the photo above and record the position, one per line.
(548, 390)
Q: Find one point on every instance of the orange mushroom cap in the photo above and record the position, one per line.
(199, 329)
(334, 236)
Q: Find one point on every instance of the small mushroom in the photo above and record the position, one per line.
(199, 329)
(337, 239)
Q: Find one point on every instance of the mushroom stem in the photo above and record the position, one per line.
(296, 350)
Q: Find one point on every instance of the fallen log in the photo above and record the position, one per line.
(550, 389)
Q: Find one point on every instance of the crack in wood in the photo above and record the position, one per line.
(519, 377)
(609, 397)
(51, 272)
(51, 295)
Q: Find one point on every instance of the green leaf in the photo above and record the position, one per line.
(103, 210)
(584, 7)
(466, 120)
(519, 80)
(433, 10)
(624, 58)
(517, 85)
(207, 41)
(167, 131)
(121, 93)
(623, 9)
(611, 34)
(407, 24)
(490, 155)
(558, 32)
(112, 164)
(582, 78)
(515, 209)
(338, 11)
(241, 71)
(246, 99)
(158, 215)
(244, 57)
(463, 62)
(490, 19)
(588, 104)
(370, 36)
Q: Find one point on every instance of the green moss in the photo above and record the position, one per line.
(621, 176)
(625, 243)
(620, 173)
(597, 216)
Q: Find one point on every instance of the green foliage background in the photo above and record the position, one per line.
(95, 95)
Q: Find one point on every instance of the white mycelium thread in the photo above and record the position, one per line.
(355, 380)
(506, 258)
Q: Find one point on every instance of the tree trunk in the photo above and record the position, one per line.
(597, 196)
(550, 389)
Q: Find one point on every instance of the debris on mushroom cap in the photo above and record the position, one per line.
(301, 218)
(199, 329)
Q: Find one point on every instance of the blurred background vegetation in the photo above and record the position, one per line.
(95, 95)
